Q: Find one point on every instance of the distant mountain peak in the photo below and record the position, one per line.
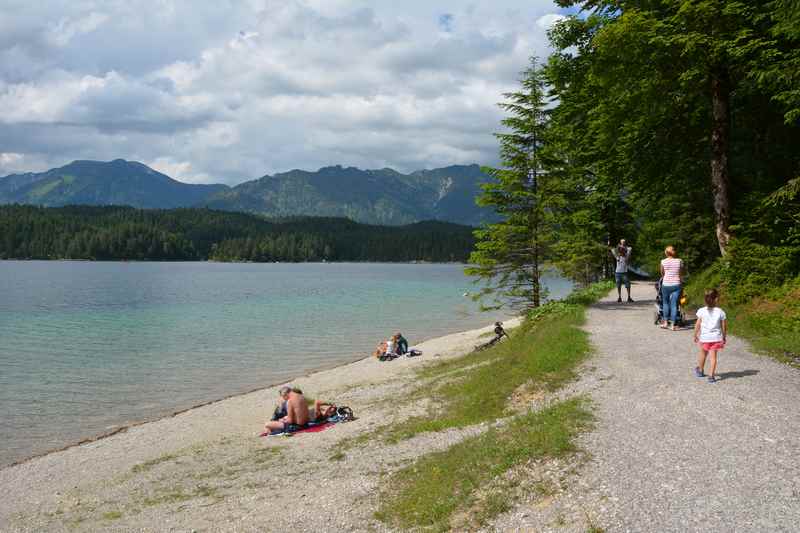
(377, 196)
(374, 196)
(117, 182)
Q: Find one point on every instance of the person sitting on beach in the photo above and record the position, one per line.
(402, 344)
(297, 415)
(280, 409)
(380, 351)
(499, 332)
(391, 347)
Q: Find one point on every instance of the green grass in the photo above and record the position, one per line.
(428, 493)
(471, 482)
(179, 494)
(261, 455)
(541, 355)
(148, 465)
(337, 456)
(112, 515)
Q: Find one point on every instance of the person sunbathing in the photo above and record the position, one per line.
(297, 415)
(323, 410)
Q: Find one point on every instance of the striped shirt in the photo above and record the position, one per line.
(672, 271)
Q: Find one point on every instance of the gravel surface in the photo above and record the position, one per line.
(670, 451)
(206, 470)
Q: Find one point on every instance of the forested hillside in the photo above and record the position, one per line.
(124, 233)
(382, 196)
(117, 182)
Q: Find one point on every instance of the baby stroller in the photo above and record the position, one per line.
(659, 316)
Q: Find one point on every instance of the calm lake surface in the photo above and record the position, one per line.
(88, 347)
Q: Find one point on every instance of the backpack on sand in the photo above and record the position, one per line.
(345, 414)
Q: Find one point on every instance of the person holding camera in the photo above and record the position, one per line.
(622, 255)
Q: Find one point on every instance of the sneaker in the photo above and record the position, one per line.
(698, 373)
(712, 379)
(619, 300)
(630, 299)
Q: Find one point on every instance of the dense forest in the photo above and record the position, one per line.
(664, 123)
(126, 233)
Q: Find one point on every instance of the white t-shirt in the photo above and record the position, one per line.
(711, 323)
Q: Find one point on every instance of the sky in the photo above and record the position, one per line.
(225, 91)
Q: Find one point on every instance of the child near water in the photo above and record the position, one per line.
(710, 332)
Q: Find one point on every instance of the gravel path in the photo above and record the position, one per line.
(672, 452)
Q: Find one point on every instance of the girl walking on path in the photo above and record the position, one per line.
(672, 271)
(710, 332)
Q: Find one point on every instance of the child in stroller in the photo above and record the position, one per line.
(658, 314)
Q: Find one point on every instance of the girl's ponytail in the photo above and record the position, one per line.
(710, 297)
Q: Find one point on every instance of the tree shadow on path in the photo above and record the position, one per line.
(737, 374)
(638, 304)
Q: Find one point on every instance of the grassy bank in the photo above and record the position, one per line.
(764, 313)
(466, 485)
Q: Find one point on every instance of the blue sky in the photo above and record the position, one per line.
(230, 90)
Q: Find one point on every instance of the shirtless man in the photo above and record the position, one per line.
(296, 411)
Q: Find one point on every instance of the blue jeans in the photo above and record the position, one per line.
(622, 278)
(669, 302)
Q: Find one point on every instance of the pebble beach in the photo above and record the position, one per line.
(206, 468)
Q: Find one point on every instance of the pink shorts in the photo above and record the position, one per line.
(712, 346)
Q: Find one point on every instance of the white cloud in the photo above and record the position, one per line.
(213, 92)
(180, 170)
(10, 158)
(63, 31)
(547, 21)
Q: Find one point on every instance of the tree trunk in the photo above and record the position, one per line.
(720, 178)
(536, 222)
(537, 291)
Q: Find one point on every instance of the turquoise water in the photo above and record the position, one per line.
(88, 347)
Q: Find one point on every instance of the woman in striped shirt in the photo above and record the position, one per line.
(672, 271)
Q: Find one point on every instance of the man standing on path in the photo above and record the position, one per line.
(622, 253)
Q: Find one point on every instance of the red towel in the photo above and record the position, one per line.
(312, 429)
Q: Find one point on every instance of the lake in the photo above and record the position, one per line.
(87, 347)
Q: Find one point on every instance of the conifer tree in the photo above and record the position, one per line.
(509, 254)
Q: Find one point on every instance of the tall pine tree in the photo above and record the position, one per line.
(509, 255)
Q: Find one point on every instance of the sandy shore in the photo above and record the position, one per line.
(205, 469)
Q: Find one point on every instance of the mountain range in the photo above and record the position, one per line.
(382, 196)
